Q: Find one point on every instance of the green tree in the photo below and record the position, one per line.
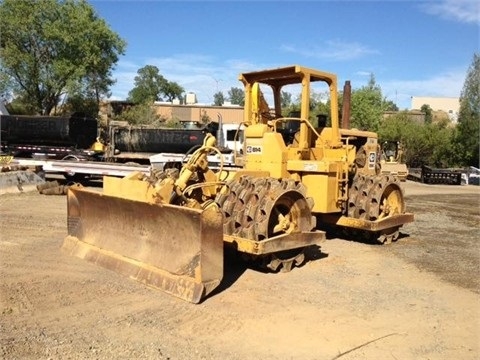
(317, 99)
(389, 105)
(5, 86)
(286, 99)
(172, 91)
(218, 99)
(367, 106)
(425, 144)
(205, 119)
(84, 97)
(148, 85)
(19, 106)
(289, 105)
(141, 114)
(428, 113)
(319, 105)
(400, 127)
(151, 86)
(468, 132)
(236, 96)
(49, 47)
(86, 104)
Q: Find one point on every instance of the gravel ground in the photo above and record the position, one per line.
(415, 299)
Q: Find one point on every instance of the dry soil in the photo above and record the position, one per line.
(418, 298)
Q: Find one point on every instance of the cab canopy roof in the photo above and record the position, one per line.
(279, 77)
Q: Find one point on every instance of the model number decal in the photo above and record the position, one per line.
(254, 149)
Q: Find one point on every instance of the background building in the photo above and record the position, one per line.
(415, 115)
(230, 114)
(449, 105)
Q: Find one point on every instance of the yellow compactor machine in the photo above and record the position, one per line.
(391, 161)
(169, 229)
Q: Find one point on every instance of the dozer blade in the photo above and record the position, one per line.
(176, 249)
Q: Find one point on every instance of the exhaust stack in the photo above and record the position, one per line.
(347, 92)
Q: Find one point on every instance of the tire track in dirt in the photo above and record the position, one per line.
(376, 301)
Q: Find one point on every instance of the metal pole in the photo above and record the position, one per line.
(347, 92)
(220, 137)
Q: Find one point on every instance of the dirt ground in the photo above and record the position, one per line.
(418, 298)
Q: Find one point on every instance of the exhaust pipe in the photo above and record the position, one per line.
(220, 137)
(347, 92)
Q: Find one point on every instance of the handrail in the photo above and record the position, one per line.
(283, 119)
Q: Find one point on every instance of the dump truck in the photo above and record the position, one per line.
(169, 229)
(53, 137)
(136, 143)
(71, 145)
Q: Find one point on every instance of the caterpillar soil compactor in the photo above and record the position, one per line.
(392, 160)
(169, 229)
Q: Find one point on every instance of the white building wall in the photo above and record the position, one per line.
(449, 105)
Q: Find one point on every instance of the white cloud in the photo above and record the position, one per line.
(445, 84)
(196, 73)
(204, 76)
(332, 50)
(466, 11)
(124, 73)
(364, 73)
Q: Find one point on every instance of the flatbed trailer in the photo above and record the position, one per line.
(215, 161)
(81, 169)
(77, 170)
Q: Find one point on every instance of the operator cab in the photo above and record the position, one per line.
(290, 127)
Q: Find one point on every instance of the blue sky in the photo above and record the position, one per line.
(413, 48)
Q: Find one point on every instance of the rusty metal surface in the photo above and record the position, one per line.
(176, 249)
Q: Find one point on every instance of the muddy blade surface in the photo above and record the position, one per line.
(172, 248)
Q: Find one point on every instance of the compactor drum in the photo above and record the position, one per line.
(169, 229)
(376, 198)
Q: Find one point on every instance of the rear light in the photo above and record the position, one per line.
(193, 138)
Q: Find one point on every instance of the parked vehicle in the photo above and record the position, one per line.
(52, 137)
(391, 161)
